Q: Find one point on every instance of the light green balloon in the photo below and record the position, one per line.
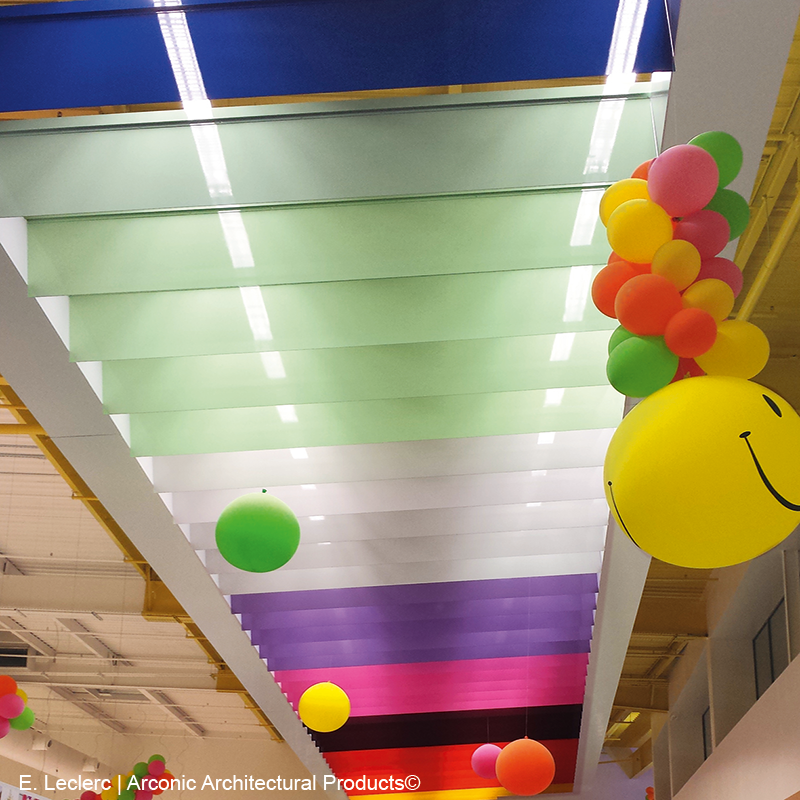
(725, 150)
(641, 365)
(734, 208)
(23, 721)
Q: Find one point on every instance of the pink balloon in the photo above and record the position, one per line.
(11, 705)
(5, 727)
(707, 230)
(88, 796)
(683, 179)
(722, 269)
(484, 760)
(156, 767)
(144, 794)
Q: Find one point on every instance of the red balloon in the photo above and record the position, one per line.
(724, 270)
(683, 180)
(5, 727)
(7, 685)
(156, 767)
(687, 368)
(638, 268)
(646, 303)
(643, 170)
(691, 332)
(11, 705)
(88, 796)
(142, 794)
(608, 282)
(707, 230)
(525, 767)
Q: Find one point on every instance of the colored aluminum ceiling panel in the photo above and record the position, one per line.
(426, 401)
(111, 52)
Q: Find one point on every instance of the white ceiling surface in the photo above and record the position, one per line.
(730, 59)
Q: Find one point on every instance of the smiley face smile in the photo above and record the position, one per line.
(765, 480)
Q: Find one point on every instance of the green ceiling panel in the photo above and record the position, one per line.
(343, 314)
(454, 416)
(325, 242)
(349, 374)
(289, 154)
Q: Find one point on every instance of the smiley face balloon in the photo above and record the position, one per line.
(705, 472)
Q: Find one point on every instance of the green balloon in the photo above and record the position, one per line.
(622, 334)
(127, 794)
(257, 533)
(734, 208)
(156, 757)
(23, 721)
(726, 151)
(641, 365)
(140, 769)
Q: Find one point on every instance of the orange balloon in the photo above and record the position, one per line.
(608, 282)
(643, 170)
(690, 333)
(7, 685)
(646, 303)
(525, 767)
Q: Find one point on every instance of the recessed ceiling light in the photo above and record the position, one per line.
(580, 282)
(256, 312)
(547, 437)
(298, 452)
(273, 365)
(553, 397)
(287, 413)
(562, 346)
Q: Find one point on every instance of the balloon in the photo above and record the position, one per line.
(525, 767)
(141, 769)
(257, 533)
(127, 794)
(88, 796)
(683, 179)
(5, 727)
(712, 295)
(110, 794)
(687, 368)
(619, 193)
(607, 284)
(24, 720)
(734, 208)
(324, 707)
(156, 767)
(618, 337)
(643, 170)
(7, 685)
(704, 473)
(484, 760)
(639, 268)
(690, 333)
(143, 794)
(707, 230)
(723, 269)
(637, 229)
(725, 150)
(678, 261)
(646, 303)
(641, 365)
(741, 350)
(23, 695)
(156, 757)
(11, 705)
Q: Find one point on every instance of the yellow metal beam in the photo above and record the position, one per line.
(787, 230)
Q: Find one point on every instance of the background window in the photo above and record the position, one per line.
(771, 649)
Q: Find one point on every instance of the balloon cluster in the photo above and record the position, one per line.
(650, 793)
(665, 281)
(145, 780)
(14, 711)
(524, 767)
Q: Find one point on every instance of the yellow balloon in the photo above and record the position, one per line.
(678, 261)
(619, 193)
(741, 350)
(637, 228)
(23, 695)
(324, 707)
(110, 794)
(712, 295)
(704, 472)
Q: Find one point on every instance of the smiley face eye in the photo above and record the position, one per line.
(773, 405)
